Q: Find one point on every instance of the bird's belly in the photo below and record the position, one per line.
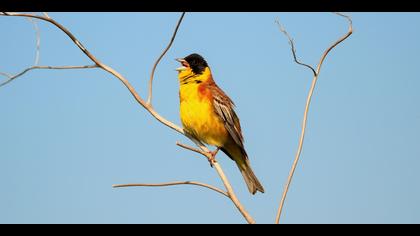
(199, 119)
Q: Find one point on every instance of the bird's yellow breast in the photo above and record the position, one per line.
(198, 116)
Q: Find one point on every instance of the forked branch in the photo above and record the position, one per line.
(292, 47)
(100, 65)
(308, 101)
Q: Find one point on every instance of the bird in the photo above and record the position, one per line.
(208, 115)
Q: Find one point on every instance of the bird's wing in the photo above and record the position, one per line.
(223, 106)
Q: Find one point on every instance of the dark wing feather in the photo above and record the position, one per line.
(224, 108)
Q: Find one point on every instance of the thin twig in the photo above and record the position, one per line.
(43, 67)
(305, 115)
(172, 184)
(192, 148)
(5, 74)
(38, 40)
(149, 98)
(344, 37)
(283, 30)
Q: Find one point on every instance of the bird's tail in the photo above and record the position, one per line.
(241, 159)
(250, 179)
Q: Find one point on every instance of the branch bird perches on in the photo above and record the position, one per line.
(145, 104)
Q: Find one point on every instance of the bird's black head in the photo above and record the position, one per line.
(196, 62)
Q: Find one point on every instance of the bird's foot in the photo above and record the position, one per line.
(212, 158)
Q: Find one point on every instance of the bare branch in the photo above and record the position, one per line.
(222, 176)
(344, 37)
(225, 181)
(192, 149)
(172, 184)
(10, 78)
(292, 45)
(305, 115)
(232, 194)
(104, 67)
(149, 98)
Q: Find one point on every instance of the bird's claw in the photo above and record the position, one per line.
(212, 158)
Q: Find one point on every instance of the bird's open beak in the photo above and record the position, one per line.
(183, 62)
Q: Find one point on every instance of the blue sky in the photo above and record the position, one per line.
(67, 136)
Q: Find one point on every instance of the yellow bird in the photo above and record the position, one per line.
(207, 114)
